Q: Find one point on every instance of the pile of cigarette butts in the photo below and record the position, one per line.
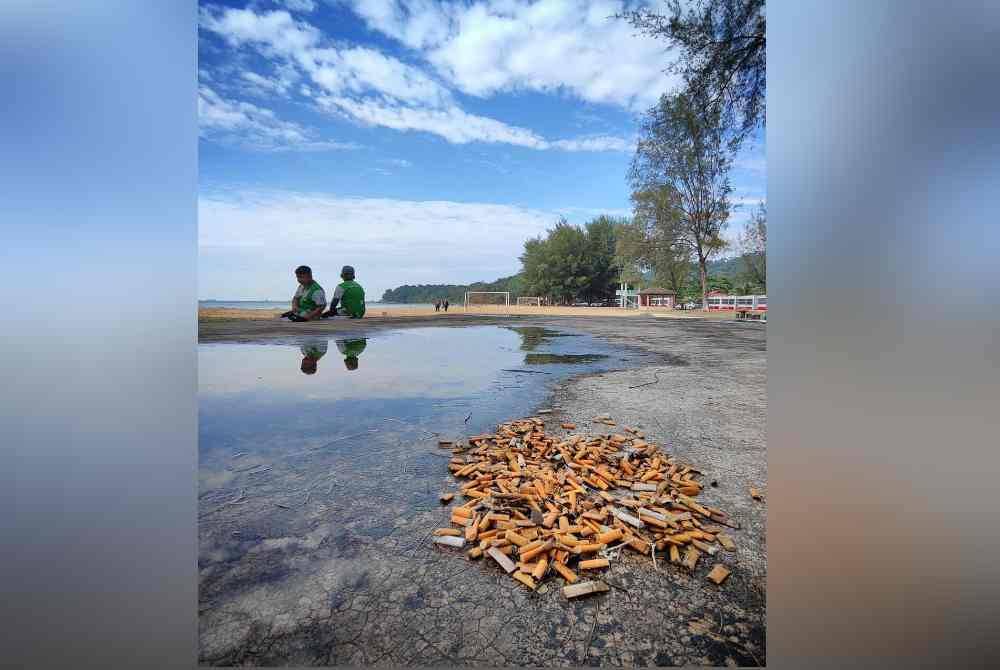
(544, 505)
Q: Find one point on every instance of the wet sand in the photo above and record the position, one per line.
(354, 593)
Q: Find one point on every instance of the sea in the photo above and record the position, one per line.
(285, 304)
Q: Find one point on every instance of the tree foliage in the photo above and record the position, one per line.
(572, 262)
(753, 241)
(722, 47)
(680, 182)
(646, 245)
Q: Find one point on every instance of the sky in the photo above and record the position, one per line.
(421, 142)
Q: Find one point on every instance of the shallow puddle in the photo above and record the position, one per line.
(320, 449)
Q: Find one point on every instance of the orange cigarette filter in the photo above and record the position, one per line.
(594, 564)
(528, 555)
(540, 568)
(564, 572)
(516, 538)
(525, 579)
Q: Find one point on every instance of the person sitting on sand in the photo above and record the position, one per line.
(312, 351)
(349, 295)
(309, 299)
(351, 349)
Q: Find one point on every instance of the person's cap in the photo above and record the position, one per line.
(303, 270)
(347, 271)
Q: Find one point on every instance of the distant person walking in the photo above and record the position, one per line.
(446, 304)
(348, 297)
(437, 305)
(309, 299)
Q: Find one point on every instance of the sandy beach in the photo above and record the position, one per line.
(211, 313)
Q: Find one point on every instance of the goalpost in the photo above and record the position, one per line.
(487, 301)
(532, 301)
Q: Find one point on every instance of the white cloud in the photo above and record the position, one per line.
(264, 87)
(253, 127)
(371, 88)
(398, 162)
(548, 46)
(390, 242)
(305, 6)
(597, 143)
(451, 123)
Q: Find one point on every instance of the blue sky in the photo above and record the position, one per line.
(421, 142)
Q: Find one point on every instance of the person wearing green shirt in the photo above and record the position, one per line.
(349, 295)
(312, 351)
(309, 299)
(351, 349)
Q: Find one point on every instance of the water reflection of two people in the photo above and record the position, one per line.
(313, 350)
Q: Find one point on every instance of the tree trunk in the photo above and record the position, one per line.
(703, 274)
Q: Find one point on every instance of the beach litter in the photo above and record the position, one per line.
(565, 506)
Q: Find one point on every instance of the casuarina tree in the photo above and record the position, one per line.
(680, 170)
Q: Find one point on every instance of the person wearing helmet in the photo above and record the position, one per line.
(348, 296)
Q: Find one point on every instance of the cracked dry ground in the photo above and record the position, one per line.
(352, 579)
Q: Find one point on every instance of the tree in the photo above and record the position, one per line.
(602, 269)
(723, 54)
(554, 267)
(679, 177)
(646, 244)
(573, 262)
(753, 241)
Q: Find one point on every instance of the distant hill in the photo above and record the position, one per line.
(732, 268)
(454, 293)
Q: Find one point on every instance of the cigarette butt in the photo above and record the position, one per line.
(448, 531)
(568, 426)
(475, 552)
(527, 556)
(563, 523)
(584, 588)
(594, 563)
(447, 497)
(525, 579)
(539, 570)
(719, 573)
(755, 494)
(639, 544)
(450, 541)
(470, 532)
(516, 538)
(610, 536)
(461, 511)
(507, 551)
(501, 559)
(589, 548)
(565, 572)
(549, 519)
(726, 542)
(675, 554)
(691, 558)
